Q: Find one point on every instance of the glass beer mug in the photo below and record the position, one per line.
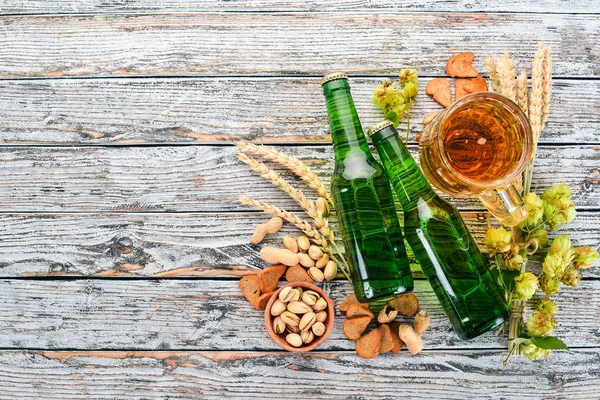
(478, 148)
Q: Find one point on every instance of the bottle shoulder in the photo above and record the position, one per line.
(357, 164)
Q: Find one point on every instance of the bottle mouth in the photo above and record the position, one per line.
(333, 76)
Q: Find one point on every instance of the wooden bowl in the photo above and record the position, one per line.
(280, 339)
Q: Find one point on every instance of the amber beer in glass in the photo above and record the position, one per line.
(478, 148)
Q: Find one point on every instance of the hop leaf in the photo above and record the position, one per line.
(585, 257)
(525, 285)
(497, 240)
(540, 324)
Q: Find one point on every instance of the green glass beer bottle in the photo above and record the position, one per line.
(364, 203)
(437, 234)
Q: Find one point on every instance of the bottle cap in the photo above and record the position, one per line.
(380, 126)
(333, 76)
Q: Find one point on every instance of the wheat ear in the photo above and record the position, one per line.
(536, 101)
(308, 205)
(546, 85)
(522, 91)
(290, 162)
(507, 77)
(490, 65)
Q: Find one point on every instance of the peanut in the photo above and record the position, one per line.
(290, 243)
(270, 227)
(274, 255)
(410, 338)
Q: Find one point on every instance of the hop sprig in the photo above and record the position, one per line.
(396, 100)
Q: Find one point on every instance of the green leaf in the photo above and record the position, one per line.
(392, 116)
(546, 343)
(508, 277)
(549, 343)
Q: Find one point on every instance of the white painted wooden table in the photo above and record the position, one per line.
(121, 240)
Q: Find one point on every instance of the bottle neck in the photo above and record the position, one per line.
(407, 178)
(346, 131)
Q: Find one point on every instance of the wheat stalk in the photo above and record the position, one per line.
(507, 77)
(292, 163)
(522, 91)
(490, 65)
(308, 205)
(546, 85)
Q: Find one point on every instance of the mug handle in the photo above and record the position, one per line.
(505, 204)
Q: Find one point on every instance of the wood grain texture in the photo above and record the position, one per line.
(285, 110)
(215, 375)
(285, 43)
(209, 178)
(213, 315)
(139, 6)
(171, 245)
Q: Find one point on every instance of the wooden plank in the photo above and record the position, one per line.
(164, 6)
(171, 245)
(208, 178)
(474, 374)
(285, 43)
(213, 315)
(284, 110)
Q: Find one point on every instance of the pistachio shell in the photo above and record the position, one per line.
(290, 318)
(316, 274)
(307, 321)
(278, 307)
(307, 336)
(292, 329)
(321, 262)
(321, 316)
(298, 295)
(278, 325)
(305, 260)
(320, 305)
(315, 252)
(310, 298)
(330, 270)
(298, 307)
(318, 328)
(286, 294)
(303, 243)
(294, 339)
